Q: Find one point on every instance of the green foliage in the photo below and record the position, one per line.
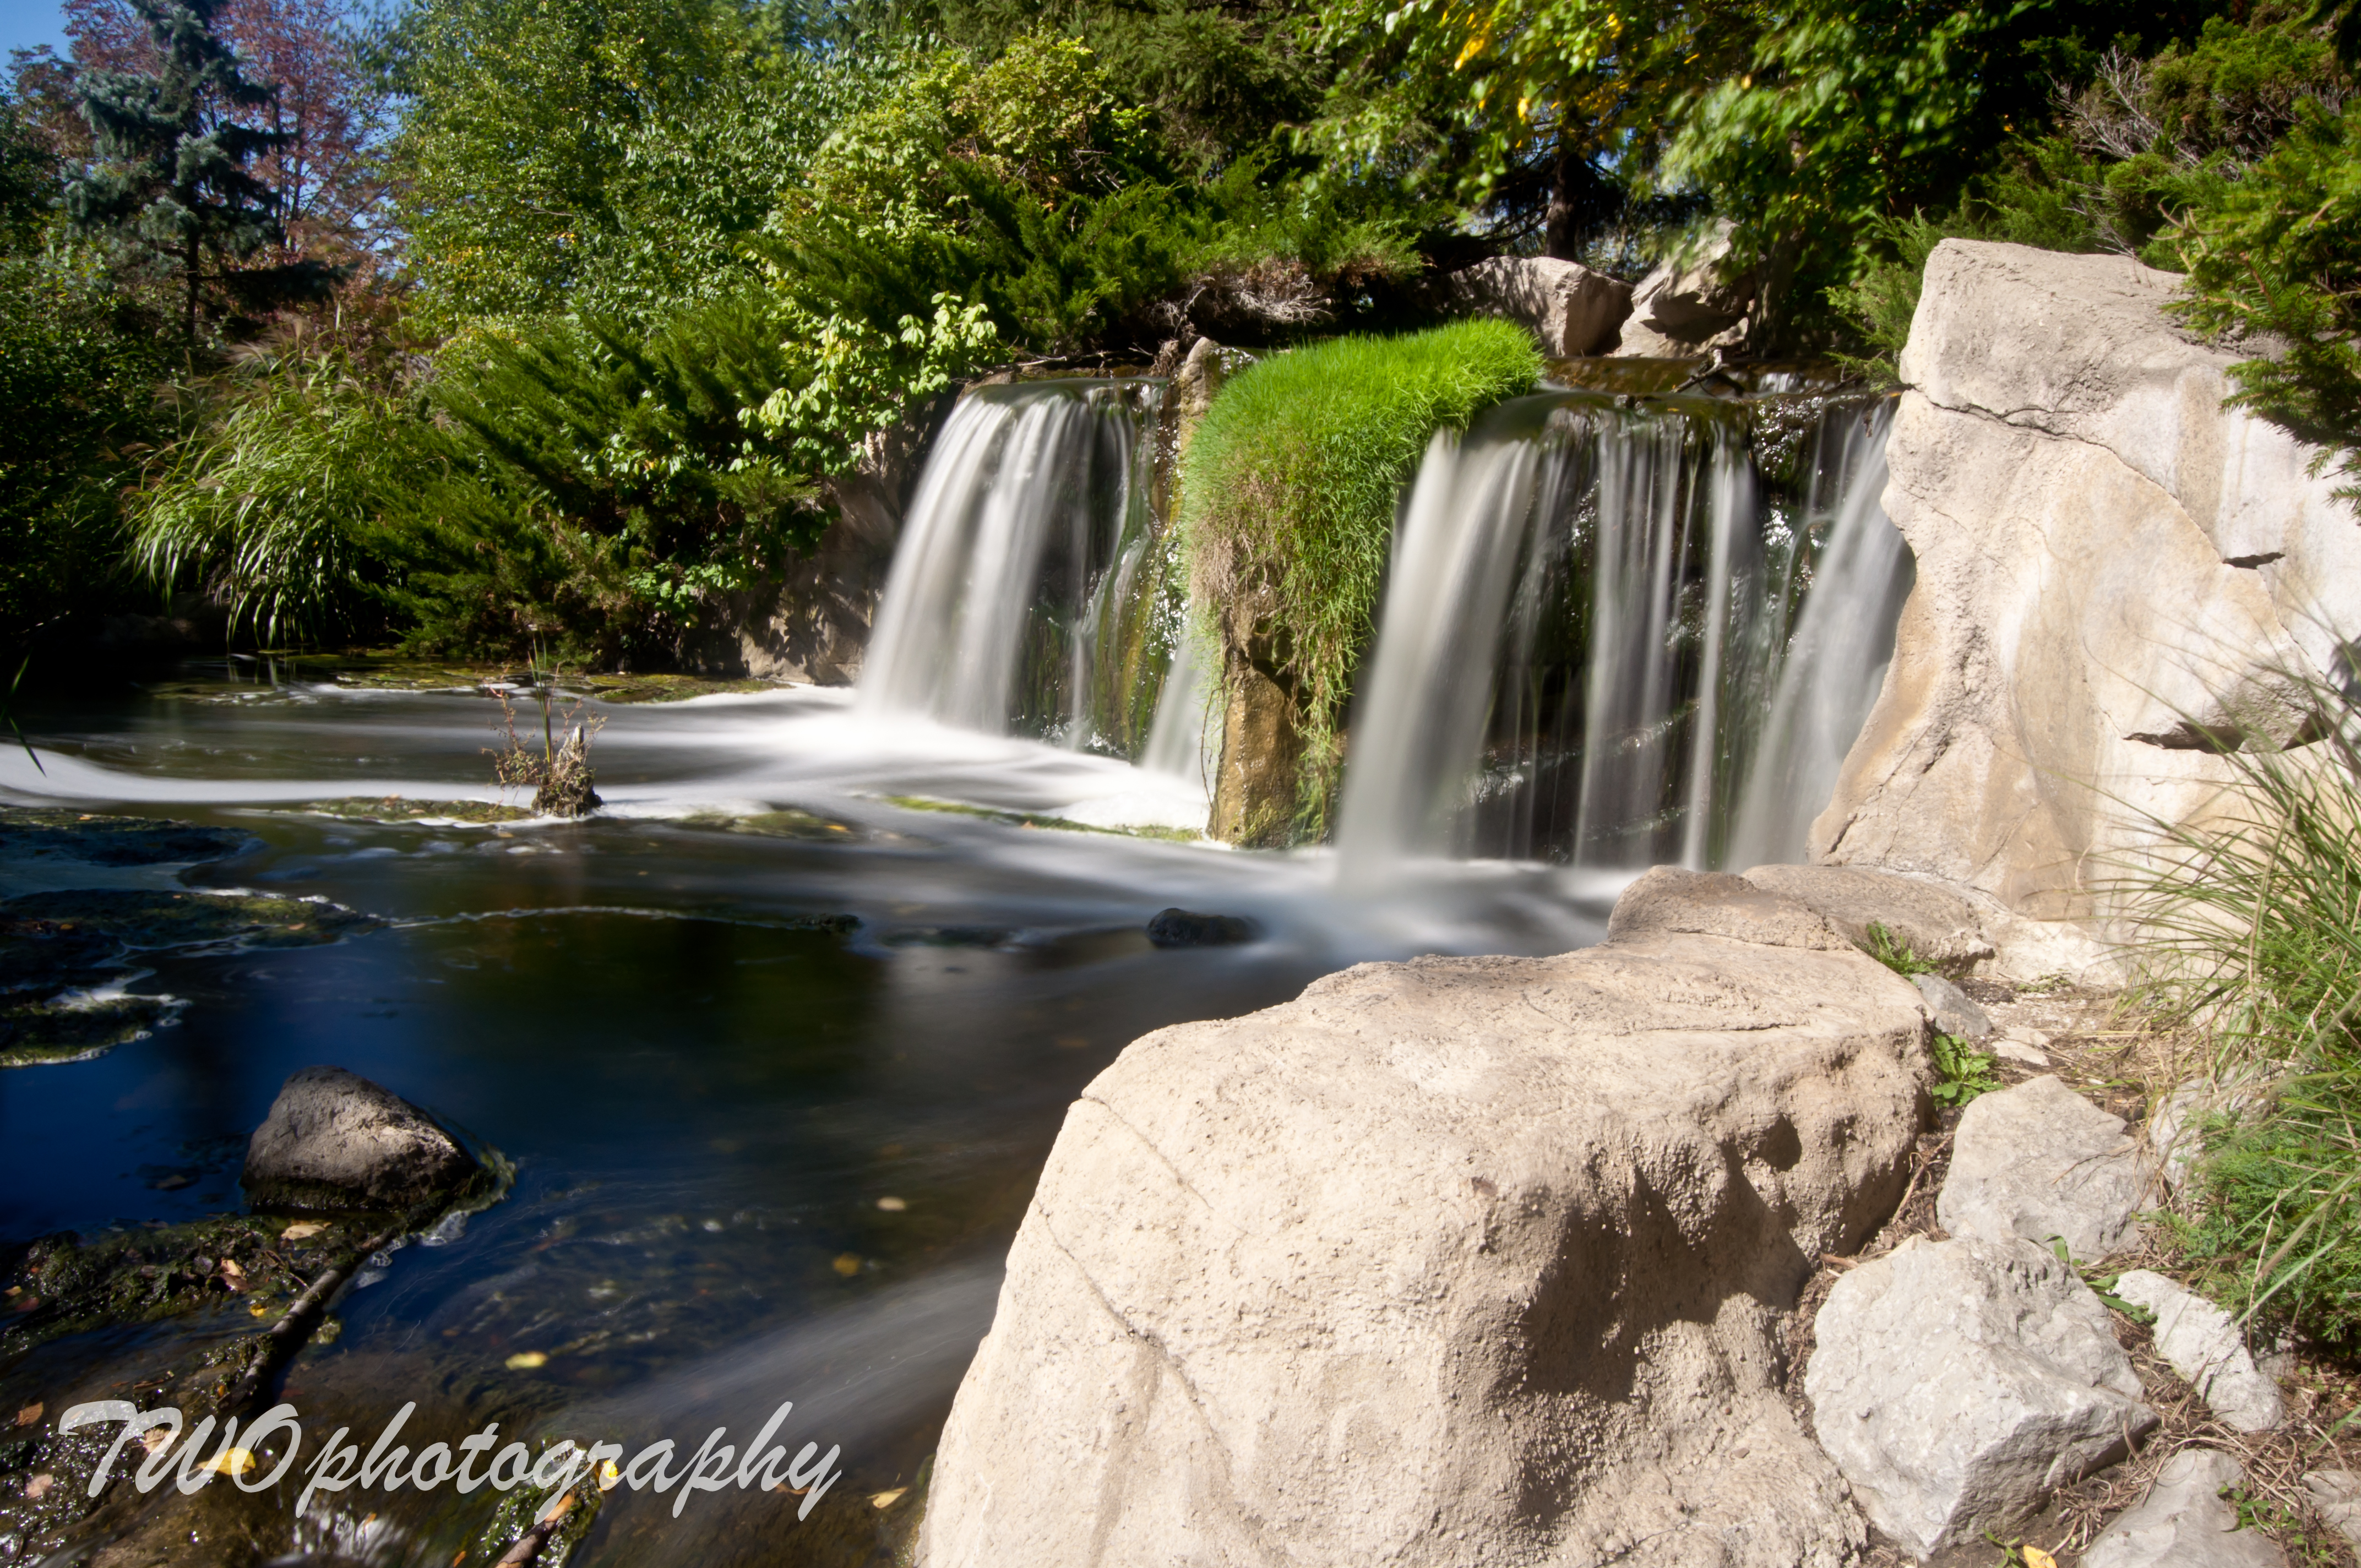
(1292, 483)
(516, 153)
(594, 490)
(1894, 953)
(1962, 1071)
(2150, 155)
(172, 175)
(2278, 254)
(2255, 928)
(262, 505)
(1217, 78)
(78, 366)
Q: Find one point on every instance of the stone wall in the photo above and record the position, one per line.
(2114, 573)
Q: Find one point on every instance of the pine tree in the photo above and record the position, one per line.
(172, 175)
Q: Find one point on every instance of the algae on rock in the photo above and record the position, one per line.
(1288, 495)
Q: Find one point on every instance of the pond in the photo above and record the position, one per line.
(776, 1044)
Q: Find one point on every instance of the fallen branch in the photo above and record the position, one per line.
(295, 1327)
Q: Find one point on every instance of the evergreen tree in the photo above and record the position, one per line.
(173, 153)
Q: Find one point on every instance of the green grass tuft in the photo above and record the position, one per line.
(1293, 480)
(2254, 928)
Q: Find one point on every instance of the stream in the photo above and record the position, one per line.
(764, 1152)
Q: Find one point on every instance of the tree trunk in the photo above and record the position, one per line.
(1580, 204)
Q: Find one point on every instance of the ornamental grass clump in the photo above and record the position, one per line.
(2254, 930)
(1290, 486)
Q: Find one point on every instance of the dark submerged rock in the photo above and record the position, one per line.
(43, 834)
(1187, 928)
(335, 1142)
(143, 917)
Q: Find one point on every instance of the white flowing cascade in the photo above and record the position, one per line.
(1835, 664)
(1583, 651)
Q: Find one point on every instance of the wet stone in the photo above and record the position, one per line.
(66, 1283)
(1187, 928)
(334, 1142)
(29, 834)
(46, 1031)
(140, 918)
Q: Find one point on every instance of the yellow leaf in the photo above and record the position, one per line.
(527, 1360)
(892, 1205)
(237, 1461)
(300, 1229)
(608, 1476)
(847, 1264)
(29, 1414)
(887, 1499)
(2037, 1558)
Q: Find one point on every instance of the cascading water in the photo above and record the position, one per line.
(1585, 651)
(1834, 665)
(1027, 594)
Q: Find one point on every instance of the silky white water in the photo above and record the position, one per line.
(1584, 653)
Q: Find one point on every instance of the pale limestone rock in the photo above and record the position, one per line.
(2202, 1343)
(2111, 569)
(1955, 1012)
(1452, 1261)
(1687, 306)
(2040, 1162)
(1571, 309)
(2184, 1522)
(2336, 1497)
(1935, 922)
(1957, 1384)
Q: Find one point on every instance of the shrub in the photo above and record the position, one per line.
(263, 504)
(2278, 255)
(1293, 480)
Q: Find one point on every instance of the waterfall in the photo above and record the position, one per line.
(1025, 594)
(1835, 662)
(1584, 651)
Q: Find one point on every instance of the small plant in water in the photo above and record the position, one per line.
(560, 774)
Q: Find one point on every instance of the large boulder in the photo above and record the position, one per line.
(2114, 574)
(1458, 1260)
(1571, 309)
(1958, 1384)
(2185, 1522)
(2040, 1162)
(1691, 304)
(333, 1142)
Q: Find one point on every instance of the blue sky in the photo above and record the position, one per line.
(24, 23)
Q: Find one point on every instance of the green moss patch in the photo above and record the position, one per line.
(97, 839)
(1036, 820)
(395, 809)
(63, 1284)
(1288, 489)
(138, 919)
(47, 1030)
